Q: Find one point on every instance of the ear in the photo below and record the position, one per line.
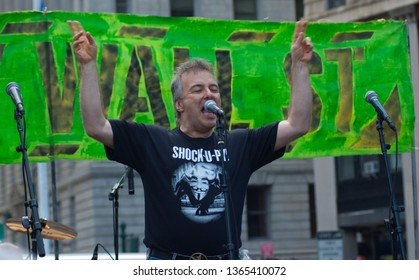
(179, 105)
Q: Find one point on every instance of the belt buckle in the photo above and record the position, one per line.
(198, 256)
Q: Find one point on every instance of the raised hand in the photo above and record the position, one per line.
(84, 45)
(301, 48)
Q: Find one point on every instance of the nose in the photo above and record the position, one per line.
(208, 94)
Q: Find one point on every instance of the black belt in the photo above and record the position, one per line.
(154, 253)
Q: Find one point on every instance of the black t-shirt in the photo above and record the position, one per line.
(183, 181)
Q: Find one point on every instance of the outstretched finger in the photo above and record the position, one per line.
(90, 38)
(75, 26)
(77, 36)
(300, 28)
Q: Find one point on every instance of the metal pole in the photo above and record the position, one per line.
(415, 204)
(413, 27)
(37, 5)
(43, 197)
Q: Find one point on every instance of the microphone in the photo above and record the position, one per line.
(371, 97)
(94, 257)
(13, 89)
(130, 180)
(211, 107)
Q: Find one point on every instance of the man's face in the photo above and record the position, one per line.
(199, 178)
(198, 87)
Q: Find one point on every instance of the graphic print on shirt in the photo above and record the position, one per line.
(198, 186)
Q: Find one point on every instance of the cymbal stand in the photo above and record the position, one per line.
(114, 197)
(37, 239)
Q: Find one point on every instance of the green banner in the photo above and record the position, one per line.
(137, 58)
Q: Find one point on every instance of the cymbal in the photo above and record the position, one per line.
(50, 230)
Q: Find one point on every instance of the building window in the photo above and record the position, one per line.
(369, 165)
(181, 8)
(245, 9)
(121, 6)
(257, 211)
(345, 168)
(299, 9)
(312, 210)
(367, 189)
(335, 3)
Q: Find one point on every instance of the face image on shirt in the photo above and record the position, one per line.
(198, 187)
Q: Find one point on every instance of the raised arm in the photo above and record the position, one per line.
(94, 121)
(299, 114)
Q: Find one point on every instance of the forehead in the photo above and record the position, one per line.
(197, 77)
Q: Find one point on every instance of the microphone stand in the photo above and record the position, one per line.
(393, 224)
(35, 223)
(114, 197)
(221, 142)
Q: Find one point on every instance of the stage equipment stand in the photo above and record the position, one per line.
(114, 197)
(54, 202)
(393, 224)
(230, 219)
(37, 246)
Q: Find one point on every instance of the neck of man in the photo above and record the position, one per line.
(194, 133)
